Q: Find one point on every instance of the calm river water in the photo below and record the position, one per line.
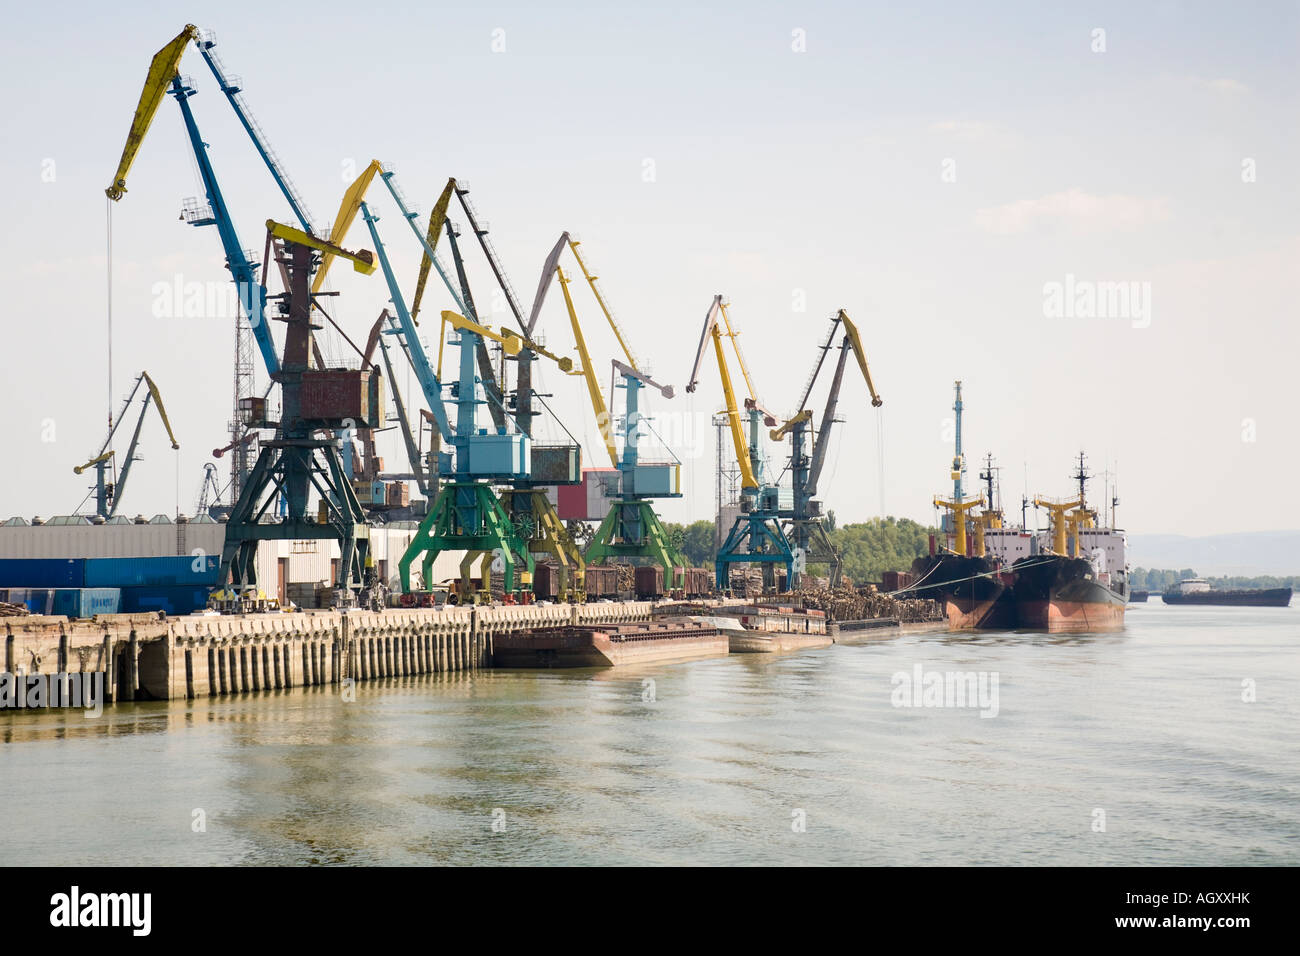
(1129, 748)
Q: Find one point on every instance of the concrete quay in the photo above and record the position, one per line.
(151, 657)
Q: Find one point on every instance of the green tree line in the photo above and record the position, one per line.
(866, 548)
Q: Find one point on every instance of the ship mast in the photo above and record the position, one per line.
(988, 476)
(958, 459)
(1082, 476)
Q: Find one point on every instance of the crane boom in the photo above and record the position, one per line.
(604, 306)
(740, 356)
(603, 421)
(348, 209)
(412, 450)
(405, 326)
(852, 342)
(162, 68)
(712, 330)
(162, 412)
(855, 342)
(205, 43)
(252, 294)
(822, 441)
(362, 260)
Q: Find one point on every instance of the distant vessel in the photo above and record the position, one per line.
(1198, 591)
(1138, 597)
(1079, 579)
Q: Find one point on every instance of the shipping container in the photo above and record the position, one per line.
(40, 600)
(87, 602)
(557, 464)
(43, 572)
(177, 599)
(571, 502)
(338, 394)
(198, 570)
(499, 455)
(656, 479)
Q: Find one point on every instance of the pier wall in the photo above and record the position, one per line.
(149, 657)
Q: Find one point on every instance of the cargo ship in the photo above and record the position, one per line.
(1198, 591)
(1138, 597)
(974, 590)
(1077, 580)
(971, 582)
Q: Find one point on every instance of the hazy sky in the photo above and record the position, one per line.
(950, 174)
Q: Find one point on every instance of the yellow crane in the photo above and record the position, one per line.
(1057, 513)
(959, 511)
(164, 66)
(587, 367)
(631, 528)
(748, 456)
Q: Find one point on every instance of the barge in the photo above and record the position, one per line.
(594, 645)
(767, 630)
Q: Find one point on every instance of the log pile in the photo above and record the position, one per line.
(746, 581)
(12, 610)
(857, 604)
(626, 577)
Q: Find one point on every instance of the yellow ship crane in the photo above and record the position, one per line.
(984, 522)
(1057, 512)
(959, 511)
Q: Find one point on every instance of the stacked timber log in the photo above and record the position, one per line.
(12, 610)
(746, 582)
(626, 577)
(857, 604)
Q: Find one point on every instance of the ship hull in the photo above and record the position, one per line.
(1061, 595)
(974, 595)
(1264, 597)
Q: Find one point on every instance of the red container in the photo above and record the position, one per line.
(337, 395)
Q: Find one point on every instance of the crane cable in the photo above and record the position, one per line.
(109, 293)
(880, 456)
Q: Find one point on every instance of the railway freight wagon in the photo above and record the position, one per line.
(602, 582)
(697, 582)
(647, 582)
